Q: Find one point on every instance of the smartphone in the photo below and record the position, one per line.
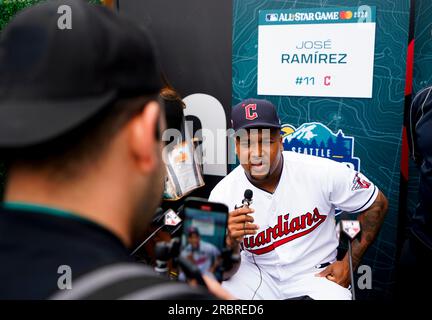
(203, 235)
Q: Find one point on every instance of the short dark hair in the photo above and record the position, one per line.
(65, 155)
(193, 230)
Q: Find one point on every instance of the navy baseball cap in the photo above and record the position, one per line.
(254, 113)
(54, 79)
(193, 230)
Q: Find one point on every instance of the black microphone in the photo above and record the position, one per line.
(247, 200)
(163, 254)
(164, 251)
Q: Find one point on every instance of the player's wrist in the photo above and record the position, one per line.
(233, 244)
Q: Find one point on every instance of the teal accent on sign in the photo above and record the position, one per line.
(362, 14)
(423, 45)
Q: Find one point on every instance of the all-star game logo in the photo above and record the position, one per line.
(316, 139)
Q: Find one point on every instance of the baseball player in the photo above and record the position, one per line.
(203, 254)
(287, 236)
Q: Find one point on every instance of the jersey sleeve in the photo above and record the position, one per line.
(213, 196)
(350, 190)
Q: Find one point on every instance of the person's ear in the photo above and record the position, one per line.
(143, 142)
(281, 143)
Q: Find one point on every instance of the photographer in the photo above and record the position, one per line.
(80, 126)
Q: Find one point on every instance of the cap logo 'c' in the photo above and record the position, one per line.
(250, 111)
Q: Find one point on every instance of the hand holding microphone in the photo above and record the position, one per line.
(240, 221)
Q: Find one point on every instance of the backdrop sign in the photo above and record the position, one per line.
(306, 52)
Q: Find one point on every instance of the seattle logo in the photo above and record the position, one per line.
(316, 139)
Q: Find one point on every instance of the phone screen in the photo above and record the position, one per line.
(203, 238)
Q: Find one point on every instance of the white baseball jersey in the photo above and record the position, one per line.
(297, 222)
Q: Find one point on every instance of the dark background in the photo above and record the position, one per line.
(193, 39)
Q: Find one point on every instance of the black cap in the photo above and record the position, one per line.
(254, 113)
(52, 80)
(193, 230)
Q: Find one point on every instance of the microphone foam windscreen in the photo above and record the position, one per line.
(248, 194)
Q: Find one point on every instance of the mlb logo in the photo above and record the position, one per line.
(171, 218)
(271, 17)
(351, 228)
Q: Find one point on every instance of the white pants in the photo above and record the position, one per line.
(245, 285)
